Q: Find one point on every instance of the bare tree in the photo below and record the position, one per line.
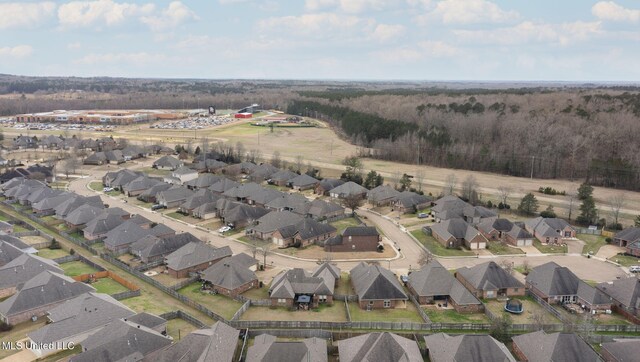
(419, 178)
(265, 251)
(352, 202)
(276, 161)
(425, 258)
(507, 265)
(538, 319)
(505, 192)
(526, 268)
(70, 165)
(469, 189)
(254, 156)
(450, 184)
(240, 151)
(298, 165)
(616, 202)
(572, 198)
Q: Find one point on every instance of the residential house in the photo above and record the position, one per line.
(223, 185)
(240, 215)
(558, 285)
(216, 344)
(488, 280)
(433, 284)
(194, 257)
(506, 231)
(206, 211)
(348, 189)
(411, 202)
(542, 347)
(281, 177)
(181, 175)
(23, 142)
(382, 195)
(379, 347)
(139, 185)
(621, 350)
(148, 320)
(121, 341)
(52, 142)
(108, 220)
(303, 182)
(442, 347)
(456, 233)
(21, 269)
(550, 230)
(262, 172)
(39, 295)
(150, 195)
(326, 185)
(377, 287)
(41, 194)
(448, 207)
(208, 165)
(152, 249)
(476, 214)
(267, 225)
(262, 196)
(133, 152)
(203, 181)
(303, 233)
(200, 197)
(321, 210)
(301, 289)
(8, 252)
(627, 236)
(167, 163)
(69, 205)
(76, 319)
(355, 238)
(625, 296)
(118, 179)
(232, 275)
(266, 348)
(242, 191)
(82, 215)
(289, 202)
(18, 243)
(173, 197)
(119, 239)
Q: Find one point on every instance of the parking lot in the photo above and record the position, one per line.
(195, 123)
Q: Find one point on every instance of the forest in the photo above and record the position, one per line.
(576, 131)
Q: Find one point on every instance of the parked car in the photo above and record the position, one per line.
(634, 268)
(157, 207)
(422, 215)
(224, 229)
(107, 189)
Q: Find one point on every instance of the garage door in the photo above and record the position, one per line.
(482, 245)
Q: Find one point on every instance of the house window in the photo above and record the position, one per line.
(515, 290)
(353, 246)
(322, 298)
(548, 240)
(282, 300)
(371, 302)
(386, 303)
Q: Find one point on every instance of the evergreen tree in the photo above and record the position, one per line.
(588, 211)
(585, 191)
(528, 204)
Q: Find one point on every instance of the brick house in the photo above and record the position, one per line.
(456, 233)
(550, 230)
(625, 297)
(194, 257)
(304, 233)
(377, 287)
(354, 238)
(506, 231)
(299, 288)
(540, 346)
(232, 275)
(489, 280)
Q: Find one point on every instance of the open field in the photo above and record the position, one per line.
(438, 315)
(436, 248)
(108, 286)
(334, 313)
(224, 306)
(408, 314)
(76, 268)
(52, 253)
(531, 308)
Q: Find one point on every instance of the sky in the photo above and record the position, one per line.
(481, 40)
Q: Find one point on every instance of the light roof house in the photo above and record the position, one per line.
(216, 344)
(194, 257)
(40, 294)
(472, 348)
(379, 347)
(489, 280)
(266, 348)
(377, 287)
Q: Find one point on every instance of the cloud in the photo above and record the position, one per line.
(175, 14)
(99, 12)
(609, 10)
(317, 26)
(423, 50)
(18, 51)
(530, 32)
(140, 58)
(16, 15)
(386, 32)
(349, 6)
(468, 12)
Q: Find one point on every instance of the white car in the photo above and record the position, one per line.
(107, 189)
(224, 229)
(634, 268)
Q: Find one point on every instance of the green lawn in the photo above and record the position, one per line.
(344, 223)
(96, 186)
(146, 303)
(498, 248)
(52, 253)
(625, 260)
(113, 193)
(4, 218)
(257, 293)
(176, 215)
(436, 248)
(76, 268)
(19, 229)
(592, 243)
(155, 172)
(549, 249)
(451, 316)
(408, 314)
(222, 305)
(108, 286)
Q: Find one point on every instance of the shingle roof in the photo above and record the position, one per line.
(360, 231)
(82, 314)
(347, 189)
(121, 341)
(125, 233)
(283, 175)
(489, 225)
(288, 202)
(625, 291)
(298, 281)
(229, 273)
(625, 350)
(629, 235)
(276, 220)
(43, 289)
(552, 279)
(146, 319)
(140, 183)
(217, 344)
(373, 282)
(330, 183)
(539, 347)
(223, 185)
(168, 161)
(307, 229)
(303, 180)
(151, 246)
(154, 190)
(242, 191)
(471, 348)
(263, 196)
(434, 280)
(174, 194)
(266, 349)
(243, 212)
(382, 193)
(83, 214)
(204, 180)
(379, 347)
(449, 202)
(195, 253)
(489, 276)
(182, 170)
(318, 208)
(23, 268)
(456, 228)
(547, 226)
(8, 252)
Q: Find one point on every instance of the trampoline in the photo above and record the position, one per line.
(514, 306)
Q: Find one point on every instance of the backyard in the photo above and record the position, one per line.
(108, 286)
(76, 268)
(178, 328)
(436, 248)
(344, 286)
(592, 243)
(602, 318)
(531, 310)
(344, 223)
(438, 315)
(52, 253)
(224, 306)
(146, 303)
(31, 240)
(334, 313)
(408, 314)
(257, 293)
